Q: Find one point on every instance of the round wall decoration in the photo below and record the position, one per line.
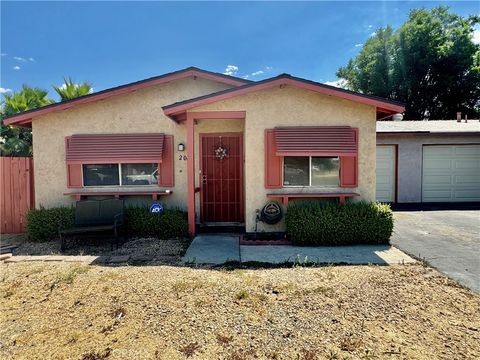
(221, 152)
(271, 213)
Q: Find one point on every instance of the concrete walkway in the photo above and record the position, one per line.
(358, 254)
(218, 249)
(213, 249)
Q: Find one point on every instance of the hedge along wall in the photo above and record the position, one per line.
(173, 223)
(42, 224)
(339, 224)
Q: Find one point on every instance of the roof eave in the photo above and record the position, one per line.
(26, 117)
(383, 107)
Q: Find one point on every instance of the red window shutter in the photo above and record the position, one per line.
(316, 141)
(348, 171)
(114, 148)
(273, 163)
(167, 175)
(74, 171)
(74, 176)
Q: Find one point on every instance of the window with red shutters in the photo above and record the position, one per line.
(140, 159)
(323, 144)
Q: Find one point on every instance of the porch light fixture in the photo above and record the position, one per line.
(181, 147)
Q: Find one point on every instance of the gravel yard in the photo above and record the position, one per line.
(158, 251)
(73, 311)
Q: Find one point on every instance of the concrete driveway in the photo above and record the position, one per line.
(448, 239)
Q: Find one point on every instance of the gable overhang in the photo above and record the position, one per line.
(383, 107)
(24, 119)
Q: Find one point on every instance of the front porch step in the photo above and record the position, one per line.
(220, 229)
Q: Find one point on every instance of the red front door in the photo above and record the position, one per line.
(221, 177)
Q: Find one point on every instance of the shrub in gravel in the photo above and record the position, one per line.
(171, 224)
(42, 224)
(339, 224)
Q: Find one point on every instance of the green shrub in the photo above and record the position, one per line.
(42, 224)
(339, 224)
(171, 224)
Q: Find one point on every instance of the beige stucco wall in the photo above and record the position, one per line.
(290, 106)
(141, 111)
(136, 112)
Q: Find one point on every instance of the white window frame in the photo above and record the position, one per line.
(119, 176)
(309, 173)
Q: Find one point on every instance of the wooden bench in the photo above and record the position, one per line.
(285, 197)
(93, 216)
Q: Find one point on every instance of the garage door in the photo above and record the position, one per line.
(451, 173)
(386, 173)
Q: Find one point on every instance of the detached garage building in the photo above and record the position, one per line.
(428, 161)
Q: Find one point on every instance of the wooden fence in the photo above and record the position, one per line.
(16, 193)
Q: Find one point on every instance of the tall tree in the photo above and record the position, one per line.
(70, 90)
(430, 63)
(15, 141)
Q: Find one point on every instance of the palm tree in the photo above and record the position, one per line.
(70, 90)
(26, 99)
(15, 141)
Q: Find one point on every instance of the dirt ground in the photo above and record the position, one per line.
(165, 252)
(73, 311)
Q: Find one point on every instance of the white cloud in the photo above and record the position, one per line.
(340, 83)
(373, 34)
(21, 59)
(5, 90)
(231, 70)
(16, 67)
(358, 45)
(256, 73)
(18, 58)
(476, 35)
(4, 54)
(370, 26)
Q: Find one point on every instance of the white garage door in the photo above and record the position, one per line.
(386, 173)
(451, 173)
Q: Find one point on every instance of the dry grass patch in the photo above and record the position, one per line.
(68, 276)
(162, 312)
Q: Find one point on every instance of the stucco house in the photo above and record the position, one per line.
(218, 146)
(428, 161)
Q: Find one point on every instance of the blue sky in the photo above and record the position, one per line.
(113, 43)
